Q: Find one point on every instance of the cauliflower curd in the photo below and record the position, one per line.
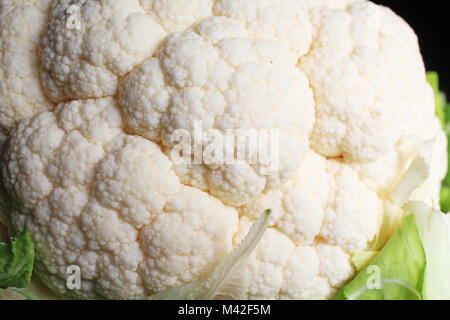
(87, 115)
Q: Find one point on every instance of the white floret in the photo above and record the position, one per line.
(184, 243)
(114, 36)
(354, 212)
(176, 15)
(298, 207)
(214, 74)
(285, 21)
(21, 96)
(329, 4)
(368, 78)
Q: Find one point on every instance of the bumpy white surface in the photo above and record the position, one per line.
(215, 74)
(110, 203)
(94, 181)
(114, 36)
(285, 21)
(325, 210)
(365, 60)
(330, 4)
(177, 15)
(21, 95)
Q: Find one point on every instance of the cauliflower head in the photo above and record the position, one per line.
(88, 115)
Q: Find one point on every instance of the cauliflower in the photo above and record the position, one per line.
(89, 159)
(21, 95)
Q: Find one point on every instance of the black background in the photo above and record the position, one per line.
(295, 310)
(430, 19)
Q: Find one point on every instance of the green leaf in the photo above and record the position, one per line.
(414, 264)
(434, 233)
(396, 273)
(16, 262)
(443, 113)
(209, 288)
(445, 198)
(447, 116)
(433, 80)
